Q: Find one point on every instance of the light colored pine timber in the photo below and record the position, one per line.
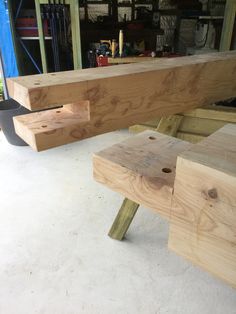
(203, 214)
(138, 128)
(142, 169)
(190, 137)
(57, 125)
(168, 126)
(228, 25)
(121, 96)
(213, 112)
(178, 80)
(202, 127)
(196, 124)
(123, 219)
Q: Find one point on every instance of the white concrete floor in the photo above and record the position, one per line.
(56, 258)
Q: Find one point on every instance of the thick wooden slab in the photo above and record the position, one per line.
(203, 215)
(209, 75)
(141, 168)
(121, 96)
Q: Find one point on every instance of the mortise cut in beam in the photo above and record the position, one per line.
(53, 124)
(121, 96)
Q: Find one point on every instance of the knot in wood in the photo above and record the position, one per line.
(213, 193)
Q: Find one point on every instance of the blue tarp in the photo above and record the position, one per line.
(6, 43)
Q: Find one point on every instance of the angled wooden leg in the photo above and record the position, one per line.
(123, 219)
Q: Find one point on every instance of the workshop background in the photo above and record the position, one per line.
(59, 229)
(74, 34)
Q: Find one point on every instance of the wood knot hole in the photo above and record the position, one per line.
(152, 138)
(212, 193)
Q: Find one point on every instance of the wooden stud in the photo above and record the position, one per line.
(228, 25)
(123, 219)
(41, 36)
(75, 31)
(213, 112)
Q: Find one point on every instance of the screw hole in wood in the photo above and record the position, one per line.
(152, 138)
(166, 170)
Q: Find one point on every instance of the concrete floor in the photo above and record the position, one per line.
(56, 258)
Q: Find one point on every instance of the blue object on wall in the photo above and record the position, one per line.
(6, 42)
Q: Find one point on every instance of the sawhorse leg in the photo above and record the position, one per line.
(123, 219)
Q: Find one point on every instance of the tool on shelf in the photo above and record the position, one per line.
(113, 48)
(57, 15)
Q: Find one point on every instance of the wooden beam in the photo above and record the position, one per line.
(142, 169)
(128, 60)
(195, 124)
(213, 112)
(75, 32)
(203, 214)
(41, 37)
(129, 208)
(228, 25)
(120, 96)
(181, 78)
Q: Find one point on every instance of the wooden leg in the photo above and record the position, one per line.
(123, 219)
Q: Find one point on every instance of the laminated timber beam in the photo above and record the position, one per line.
(141, 168)
(101, 100)
(203, 214)
(191, 185)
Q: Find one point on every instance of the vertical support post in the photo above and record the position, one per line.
(75, 31)
(41, 36)
(228, 25)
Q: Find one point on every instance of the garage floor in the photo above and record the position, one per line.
(56, 258)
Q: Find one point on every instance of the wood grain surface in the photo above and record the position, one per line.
(122, 95)
(193, 126)
(142, 169)
(203, 215)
